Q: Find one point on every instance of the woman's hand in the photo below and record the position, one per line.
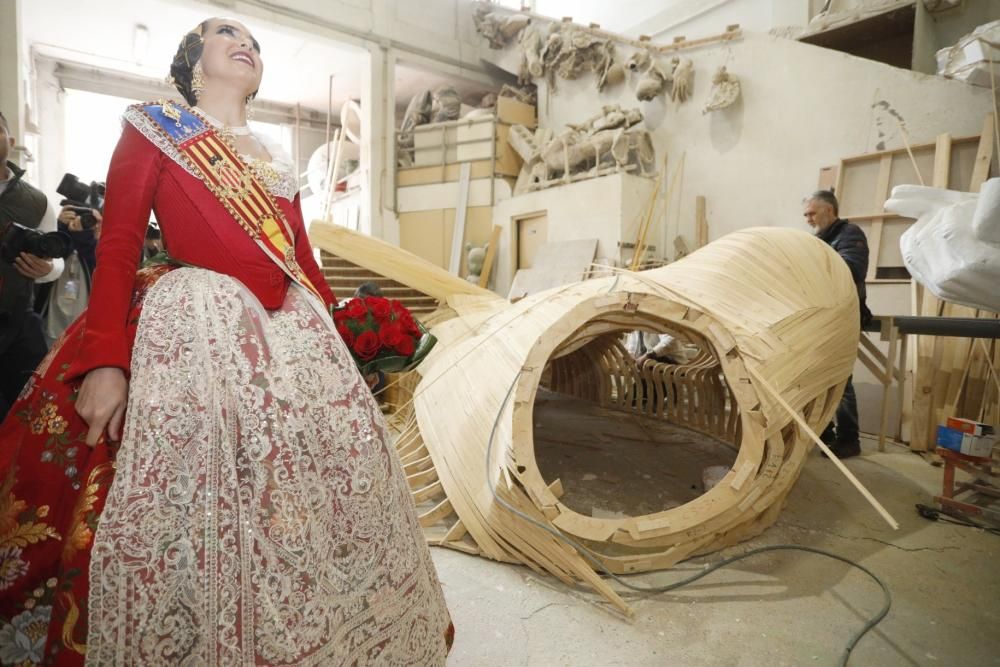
(101, 402)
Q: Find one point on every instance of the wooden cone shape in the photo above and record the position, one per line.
(778, 301)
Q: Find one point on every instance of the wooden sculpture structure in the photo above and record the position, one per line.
(775, 312)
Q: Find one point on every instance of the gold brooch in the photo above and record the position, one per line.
(171, 112)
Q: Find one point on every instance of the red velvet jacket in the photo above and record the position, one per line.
(196, 230)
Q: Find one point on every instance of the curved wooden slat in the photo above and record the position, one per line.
(741, 299)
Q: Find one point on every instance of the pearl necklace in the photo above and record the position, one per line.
(239, 131)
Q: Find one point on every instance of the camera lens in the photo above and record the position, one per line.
(53, 244)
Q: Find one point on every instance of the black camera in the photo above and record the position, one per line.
(15, 239)
(82, 198)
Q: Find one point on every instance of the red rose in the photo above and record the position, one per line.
(356, 310)
(340, 315)
(390, 334)
(398, 308)
(406, 345)
(346, 334)
(366, 345)
(409, 324)
(379, 306)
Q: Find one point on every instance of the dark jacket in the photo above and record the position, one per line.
(23, 203)
(852, 245)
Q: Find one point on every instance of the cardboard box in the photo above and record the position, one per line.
(966, 443)
(514, 112)
(969, 426)
(978, 445)
(949, 438)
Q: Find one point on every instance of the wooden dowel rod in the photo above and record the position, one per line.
(826, 450)
(989, 364)
(909, 151)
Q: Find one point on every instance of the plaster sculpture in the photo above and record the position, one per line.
(683, 79)
(476, 257)
(498, 28)
(418, 112)
(613, 75)
(638, 61)
(488, 101)
(724, 93)
(527, 94)
(605, 140)
(953, 248)
(653, 78)
(466, 440)
(446, 104)
(567, 51)
(530, 44)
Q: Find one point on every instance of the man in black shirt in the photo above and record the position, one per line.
(821, 212)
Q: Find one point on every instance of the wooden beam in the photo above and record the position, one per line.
(491, 253)
(392, 262)
(887, 381)
(881, 194)
(700, 223)
(929, 348)
(458, 231)
(984, 156)
(942, 160)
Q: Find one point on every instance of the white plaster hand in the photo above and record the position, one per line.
(953, 248)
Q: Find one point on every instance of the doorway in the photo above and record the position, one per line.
(532, 233)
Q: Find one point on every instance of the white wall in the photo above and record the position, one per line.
(802, 108)
(49, 112)
(700, 18)
(607, 209)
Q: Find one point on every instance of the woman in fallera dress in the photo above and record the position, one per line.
(197, 474)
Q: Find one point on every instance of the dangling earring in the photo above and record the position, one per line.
(249, 107)
(197, 80)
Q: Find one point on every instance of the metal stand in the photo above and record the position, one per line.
(978, 498)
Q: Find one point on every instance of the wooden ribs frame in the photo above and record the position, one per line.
(773, 306)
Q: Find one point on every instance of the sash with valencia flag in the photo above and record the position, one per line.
(230, 179)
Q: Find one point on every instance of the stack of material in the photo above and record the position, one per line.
(971, 58)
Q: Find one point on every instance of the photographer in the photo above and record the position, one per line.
(22, 342)
(84, 238)
(61, 301)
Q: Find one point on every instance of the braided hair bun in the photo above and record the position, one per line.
(188, 54)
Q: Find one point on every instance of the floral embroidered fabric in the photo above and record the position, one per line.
(259, 514)
(254, 512)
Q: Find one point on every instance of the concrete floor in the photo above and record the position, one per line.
(784, 608)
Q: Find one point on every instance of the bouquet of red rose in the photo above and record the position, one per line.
(382, 334)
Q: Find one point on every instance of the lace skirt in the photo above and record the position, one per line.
(258, 512)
